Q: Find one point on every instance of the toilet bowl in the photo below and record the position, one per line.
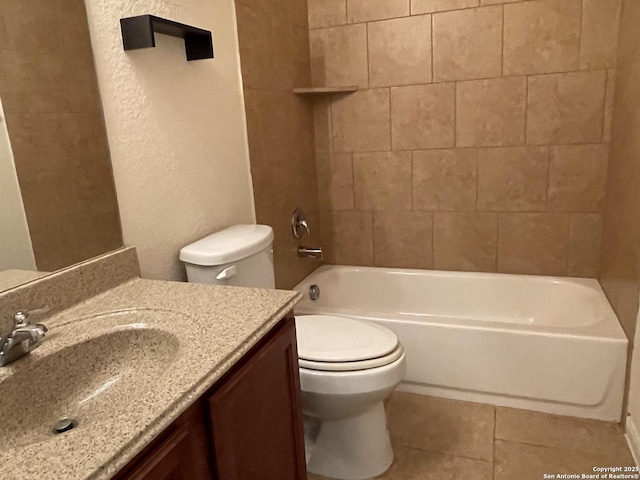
(348, 368)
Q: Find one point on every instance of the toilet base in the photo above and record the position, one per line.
(352, 448)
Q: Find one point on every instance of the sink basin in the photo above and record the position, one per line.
(87, 370)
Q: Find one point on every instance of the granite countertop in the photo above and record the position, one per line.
(211, 327)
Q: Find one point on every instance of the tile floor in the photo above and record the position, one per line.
(439, 439)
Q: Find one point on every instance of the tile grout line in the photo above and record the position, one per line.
(477, 162)
(502, 45)
(353, 180)
(455, 114)
(495, 147)
(547, 200)
(566, 265)
(390, 121)
(412, 183)
(441, 82)
(497, 263)
(366, 33)
(446, 454)
(526, 108)
(433, 237)
(580, 31)
(432, 48)
(373, 236)
(604, 106)
(396, 17)
(493, 463)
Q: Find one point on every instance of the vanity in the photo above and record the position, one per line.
(247, 426)
(166, 380)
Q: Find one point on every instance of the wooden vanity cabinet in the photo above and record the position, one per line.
(248, 426)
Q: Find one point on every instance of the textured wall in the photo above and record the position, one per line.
(176, 130)
(478, 139)
(274, 51)
(620, 276)
(54, 117)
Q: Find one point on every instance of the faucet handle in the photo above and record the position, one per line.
(299, 225)
(20, 319)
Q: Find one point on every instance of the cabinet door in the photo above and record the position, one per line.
(165, 461)
(181, 452)
(256, 414)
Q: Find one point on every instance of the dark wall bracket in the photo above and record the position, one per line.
(139, 32)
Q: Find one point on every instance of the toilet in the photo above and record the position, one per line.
(348, 367)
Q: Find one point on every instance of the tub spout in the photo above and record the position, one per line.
(307, 252)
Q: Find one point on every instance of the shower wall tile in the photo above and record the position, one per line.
(599, 34)
(382, 181)
(348, 237)
(361, 121)
(566, 108)
(578, 178)
(542, 36)
(402, 239)
(513, 179)
(479, 114)
(335, 181)
(620, 267)
(585, 242)
(339, 56)
(465, 241)
(327, 13)
(369, 10)
(432, 6)
(491, 112)
(284, 43)
(422, 116)
(400, 51)
(445, 180)
(322, 130)
(294, 11)
(467, 44)
(533, 243)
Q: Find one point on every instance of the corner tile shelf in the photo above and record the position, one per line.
(325, 90)
(139, 32)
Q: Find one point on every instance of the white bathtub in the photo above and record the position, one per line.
(540, 343)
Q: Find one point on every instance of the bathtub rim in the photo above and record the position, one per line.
(607, 329)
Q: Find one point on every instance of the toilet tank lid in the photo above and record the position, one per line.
(228, 245)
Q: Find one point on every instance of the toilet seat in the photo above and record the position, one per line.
(353, 366)
(329, 343)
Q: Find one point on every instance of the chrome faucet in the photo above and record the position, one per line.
(307, 252)
(24, 338)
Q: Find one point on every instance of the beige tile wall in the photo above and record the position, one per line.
(478, 139)
(54, 117)
(274, 55)
(620, 276)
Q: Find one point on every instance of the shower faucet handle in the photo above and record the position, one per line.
(299, 225)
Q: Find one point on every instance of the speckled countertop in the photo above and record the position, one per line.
(183, 336)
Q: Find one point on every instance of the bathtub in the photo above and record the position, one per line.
(541, 343)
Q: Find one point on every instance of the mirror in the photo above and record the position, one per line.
(57, 192)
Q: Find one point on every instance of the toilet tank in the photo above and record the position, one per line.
(241, 255)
